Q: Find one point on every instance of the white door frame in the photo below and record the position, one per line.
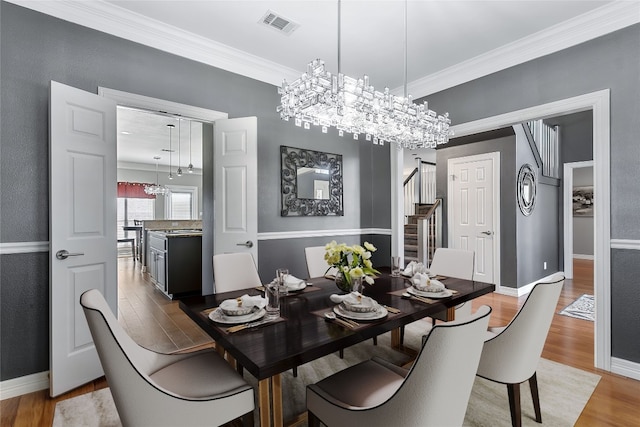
(126, 99)
(567, 207)
(599, 103)
(495, 159)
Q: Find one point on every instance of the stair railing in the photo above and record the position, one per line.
(430, 232)
(419, 187)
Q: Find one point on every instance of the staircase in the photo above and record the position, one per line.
(421, 227)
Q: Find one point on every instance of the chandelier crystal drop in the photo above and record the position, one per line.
(156, 188)
(323, 99)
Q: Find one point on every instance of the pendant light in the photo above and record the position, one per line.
(323, 99)
(170, 126)
(156, 188)
(190, 167)
(179, 171)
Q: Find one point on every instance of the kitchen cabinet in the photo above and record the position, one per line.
(175, 261)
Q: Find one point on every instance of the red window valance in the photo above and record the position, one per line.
(134, 190)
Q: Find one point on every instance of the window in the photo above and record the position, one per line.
(130, 209)
(182, 202)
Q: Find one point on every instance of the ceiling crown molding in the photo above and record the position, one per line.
(111, 19)
(114, 20)
(603, 20)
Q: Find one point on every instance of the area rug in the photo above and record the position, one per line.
(564, 391)
(582, 308)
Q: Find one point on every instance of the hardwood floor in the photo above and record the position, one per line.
(157, 323)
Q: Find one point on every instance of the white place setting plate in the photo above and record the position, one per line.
(219, 317)
(380, 313)
(444, 294)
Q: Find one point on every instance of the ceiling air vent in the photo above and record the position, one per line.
(278, 23)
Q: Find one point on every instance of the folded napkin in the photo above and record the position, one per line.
(340, 298)
(245, 301)
(355, 301)
(415, 267)
(421, 282)
(292, 281)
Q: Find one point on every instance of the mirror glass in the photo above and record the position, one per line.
(311, 182)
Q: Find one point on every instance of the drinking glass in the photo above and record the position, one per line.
(272, 291)
(395, 266)
(281, 277)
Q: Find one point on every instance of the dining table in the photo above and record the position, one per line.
(302, 333)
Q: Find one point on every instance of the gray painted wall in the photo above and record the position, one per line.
(480, 144)
(35, 49)
(537, 234)
(611, 61)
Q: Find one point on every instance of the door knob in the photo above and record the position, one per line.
(64, 254)
(248, 244)
(488, 233)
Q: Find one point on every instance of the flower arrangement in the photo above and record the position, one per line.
(351, 262)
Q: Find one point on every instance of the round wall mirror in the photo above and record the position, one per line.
(526, 189)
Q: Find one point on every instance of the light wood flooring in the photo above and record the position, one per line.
(157, 323)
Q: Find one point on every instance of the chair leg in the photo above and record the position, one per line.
(375, 340)
(514, 404)
(401, 336)
(312, 420)
(341, 352)
(533, 384)
(295, 372)
(247, 419)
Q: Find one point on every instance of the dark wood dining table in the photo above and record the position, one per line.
(302, 334)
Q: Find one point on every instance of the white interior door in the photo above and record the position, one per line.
(82, 218)
(236, 185)
(473, 209)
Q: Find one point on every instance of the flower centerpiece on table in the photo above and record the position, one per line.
(351, 262)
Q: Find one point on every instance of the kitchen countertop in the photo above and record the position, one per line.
(177, 233)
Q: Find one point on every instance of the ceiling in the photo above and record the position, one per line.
(440, 34)
(142, 135)
(449, 42)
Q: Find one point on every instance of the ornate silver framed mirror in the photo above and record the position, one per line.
(527, 186)
(311, 182)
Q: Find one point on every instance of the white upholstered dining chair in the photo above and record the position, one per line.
(433, 392)
(316, 264)
(235, 271)
(156, 389)
(456, 263)
(512, 353)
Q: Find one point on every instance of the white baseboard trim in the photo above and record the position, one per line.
(582, 256)
(625, 368)
(277, 235)
(522, 290)
(23, 385)
(23, 247)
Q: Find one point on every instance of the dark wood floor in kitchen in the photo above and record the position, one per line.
(157, 323)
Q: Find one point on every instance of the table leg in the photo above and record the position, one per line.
(451, 314)
(264, 401)
(395, 338)
(276, 398)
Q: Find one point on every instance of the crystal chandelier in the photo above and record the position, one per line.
(351, 105)
(156, 188)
